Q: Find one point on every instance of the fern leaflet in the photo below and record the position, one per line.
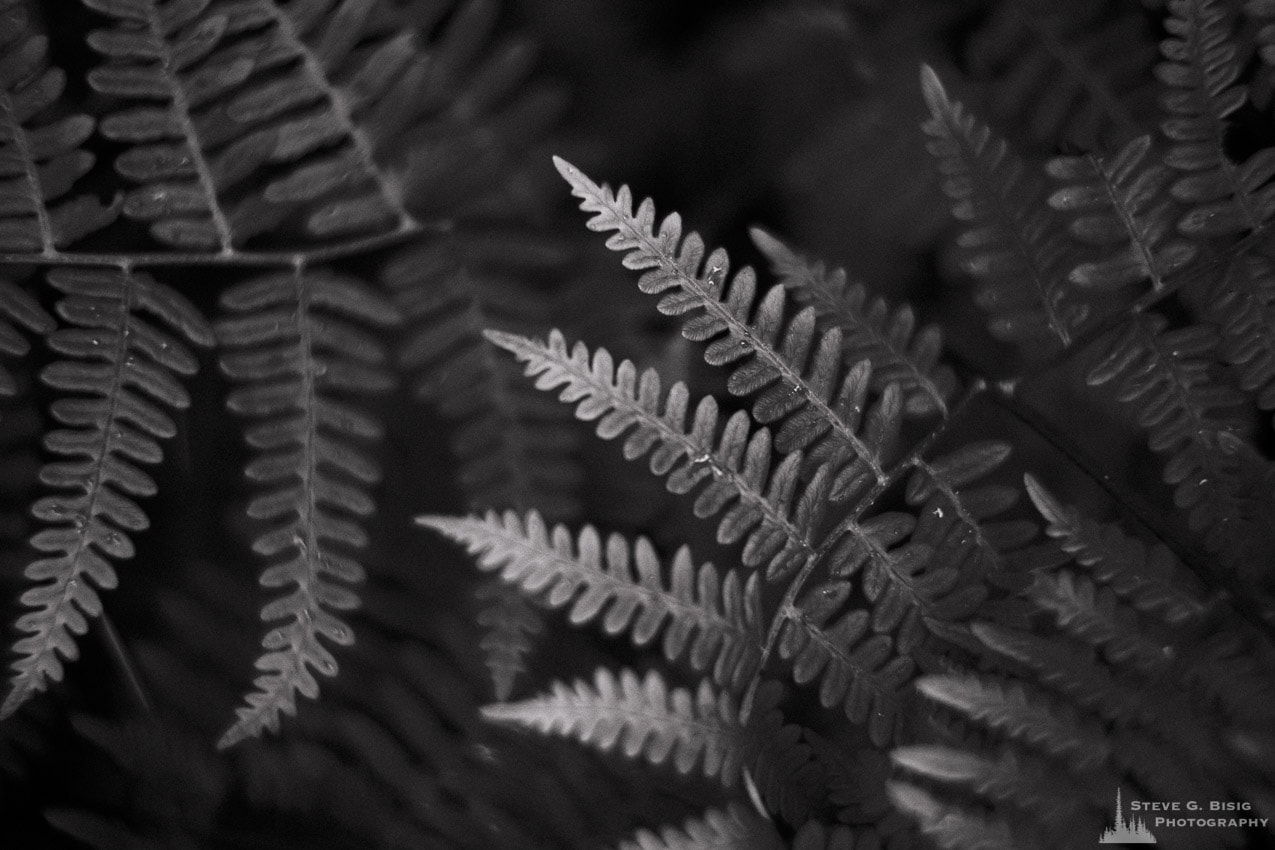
(721, 614)
(1012, 239)
(869, 330)
(18, 310)
(796, 370)
(41, 158)
(247, 117)
(732, 828)
(118, 371)
(294, 340)
(771, 510)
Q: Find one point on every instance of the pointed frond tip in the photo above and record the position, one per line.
(794, 372)
(1013, 242)
(713, 621)
(303, 346)
(121, 360)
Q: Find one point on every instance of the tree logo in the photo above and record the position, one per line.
(1133, 831)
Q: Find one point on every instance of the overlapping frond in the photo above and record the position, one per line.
(1241, 303)
(18, 312)
(118, 369)
(1195, 423)
(953, 827)
(889, 339)
(1200, 74)
(41, 153)
(1077, 74)
(735, 827)
(303, 344)
(796, 372)
(764, 503)
(1012, 239)
(1119, 206)
(642, 718)
(1147, 577)
(863, 673)
(246, 118)
(711, 621)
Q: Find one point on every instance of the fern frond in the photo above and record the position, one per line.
(1006, 779)
(956, 515)
(1017, 713)
(642, 718)
(713, 621)
(803, 388)
(41, 159)
(118, 371)
(1076, 74)
(244, 118)
(1144, 576)
(303, 343)
(1200, 74)
(735, 827)
(863, 674)
(1193, 422)
(512, 623)
(1012, 239)
(952, 827)
(1095, 616)
(1242, 306)
(1119, 207)
(770, 508)
(18, 310)
(870, 330)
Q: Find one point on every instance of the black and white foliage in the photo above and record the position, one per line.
(971, 575)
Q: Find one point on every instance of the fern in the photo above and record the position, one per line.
(227, 102)
(720, 613)
(643, 718)
(1200, 72)
(796, 370)
(119, 373)
(18, 310)
(295, 348)
(770, 512)
(1012, 241)
(41, 156)
(732, 828)
(899, 354)
(1119, 206)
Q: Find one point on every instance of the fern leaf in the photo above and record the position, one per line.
(1095, 616)
(1200, 73)
(1141, 575)
(796, 371)
(1076, 74)
(710, 620)
(511, 623)
(514, 447)
(888, 339)
(18, 310)
(295, 341)
(642, 718)
(1119, 208)
(1242, 305)
(1020, 714)
(1012, 238)
(118, 371)
(862, 673)
(1194, 423)
(1028, 783)
(957, 518)
(732, 828)
(247, 117)
(950, 827)
(769, 510)
(41, 159)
